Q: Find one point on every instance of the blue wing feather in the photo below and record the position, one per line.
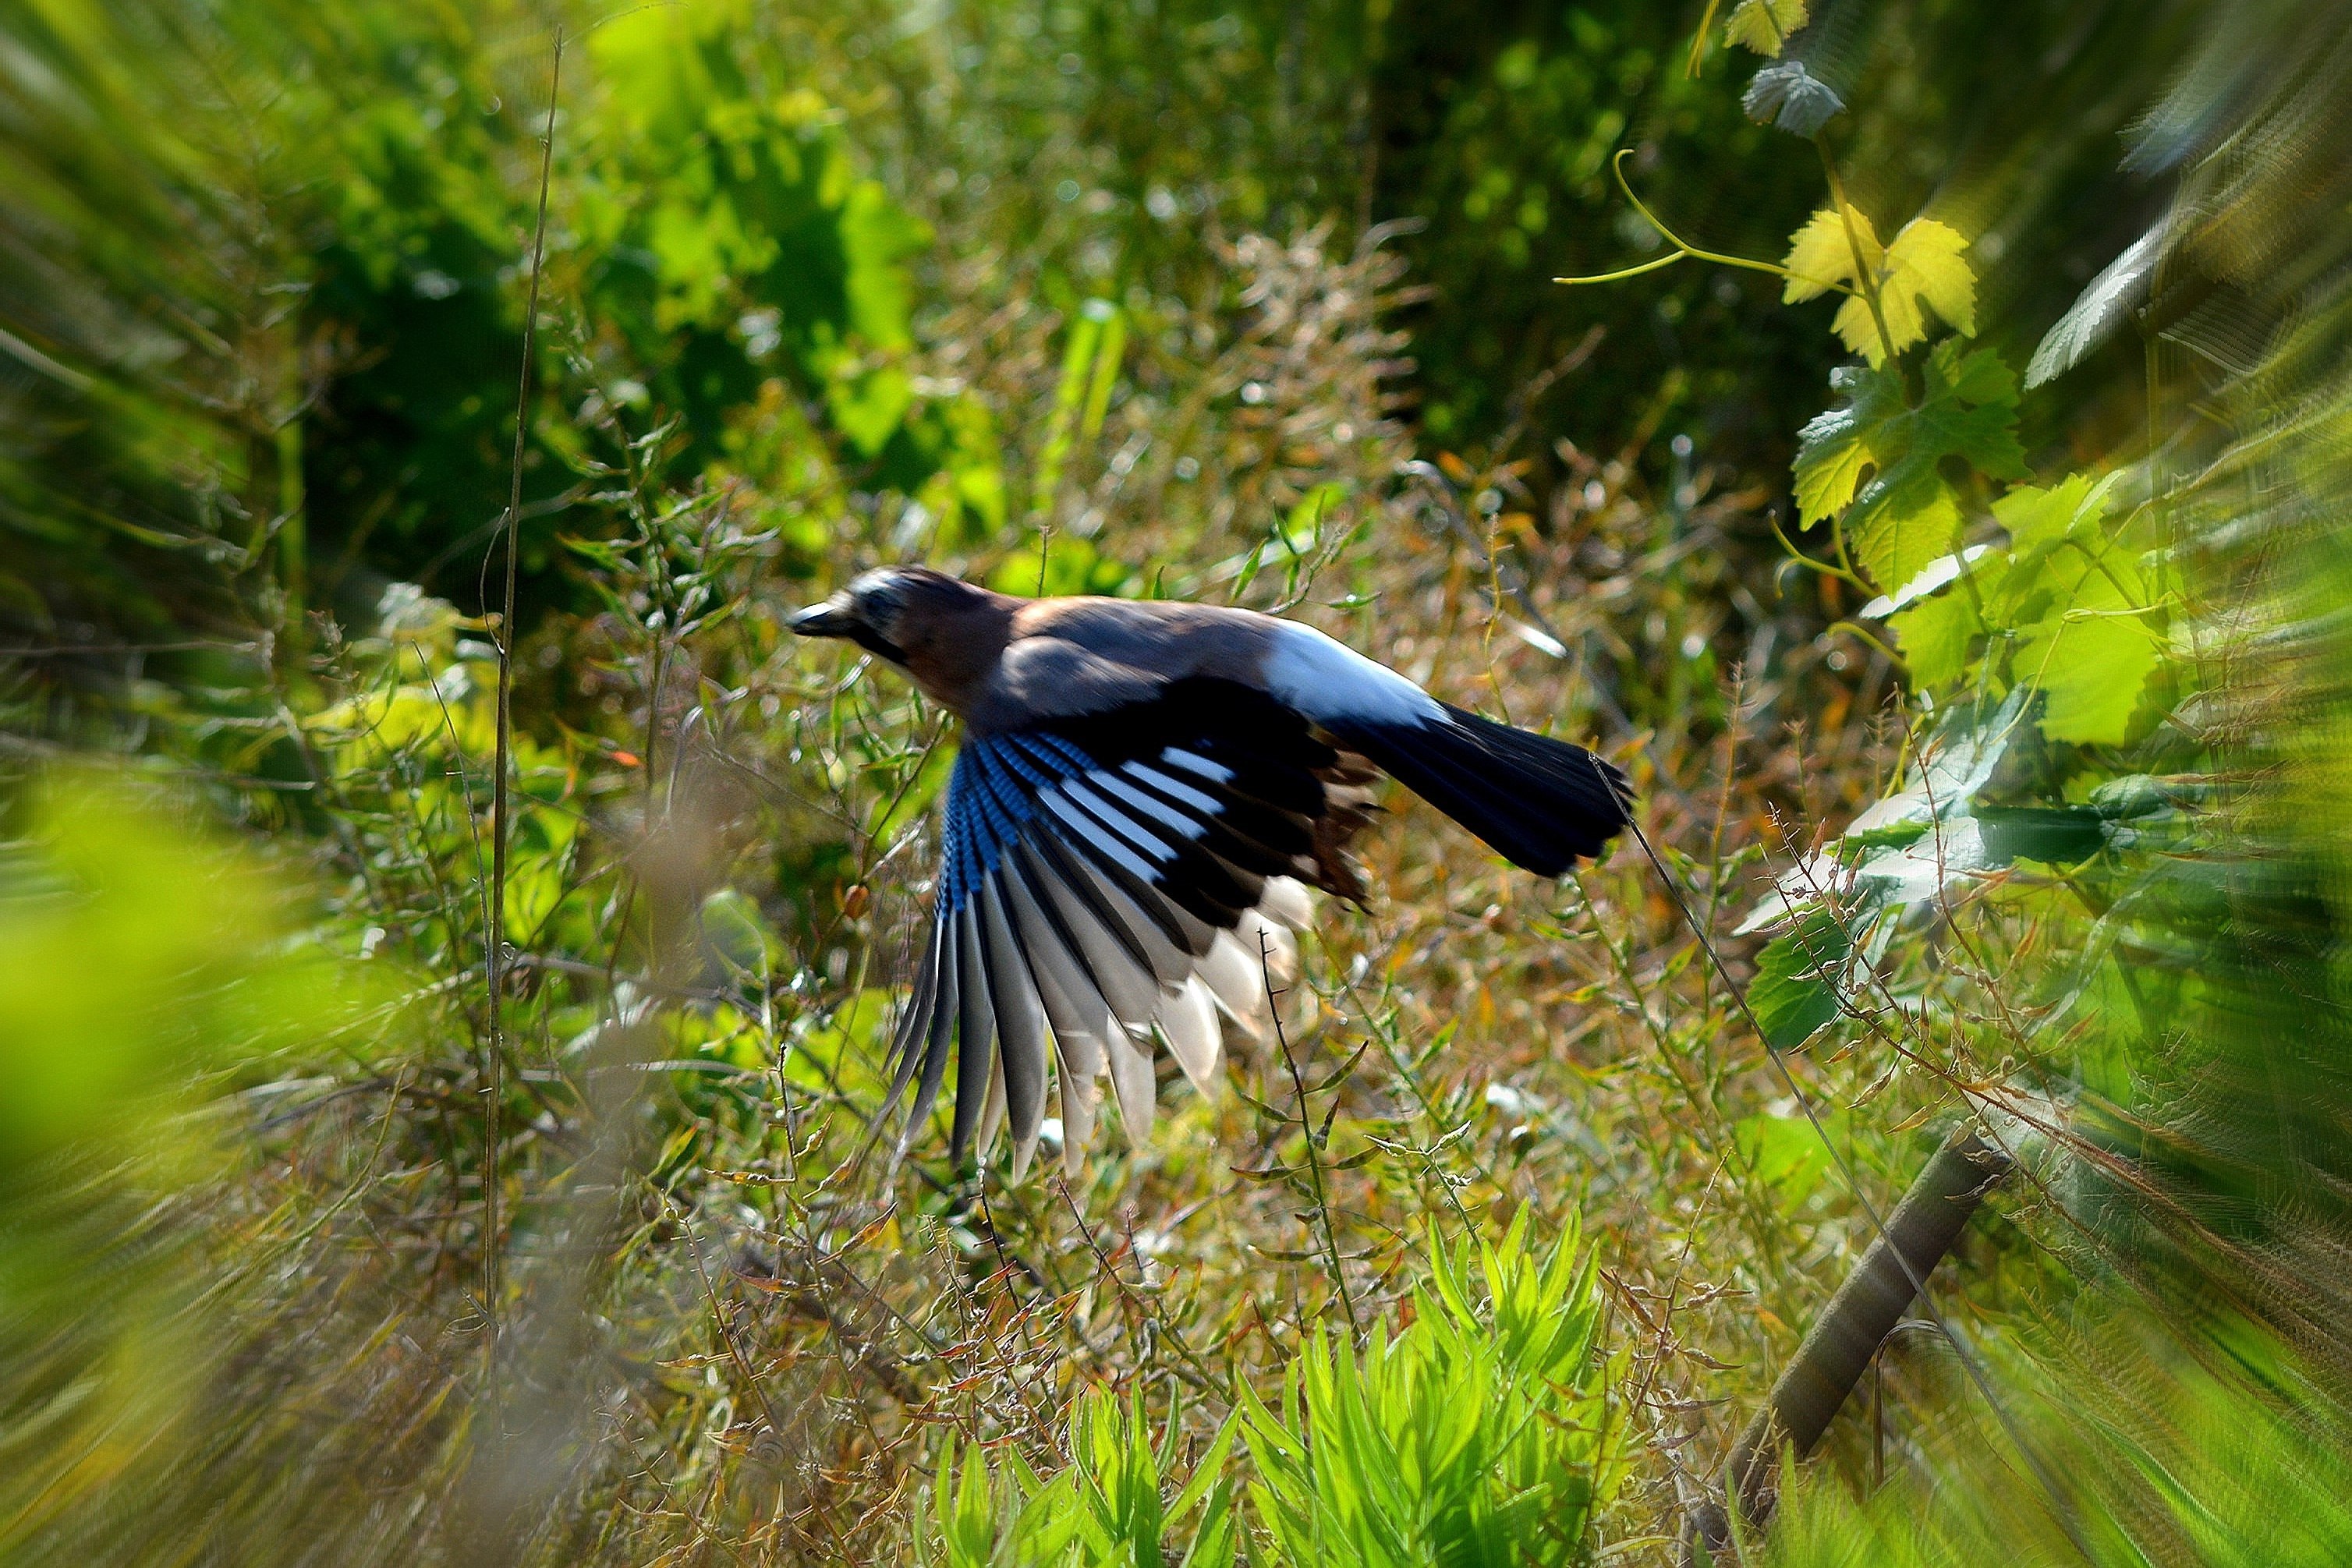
(992, 798)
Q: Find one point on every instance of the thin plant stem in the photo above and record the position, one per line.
(494, 956)
(1865, 275)
(1307, 1127)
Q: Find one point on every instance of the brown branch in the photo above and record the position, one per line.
(1816, 1384)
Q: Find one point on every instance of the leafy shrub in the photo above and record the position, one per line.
(1470, 1435)
(1480, 1432)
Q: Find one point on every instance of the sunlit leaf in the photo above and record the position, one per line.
(1836, 448)
(1822, 254)
(869, 408)
(2038, 517)
(2085, 635)
(1831, 462)
(2091, 661)
(1922, 271)
(1906, 516)
(1907, 523)
(1935, 635)
(1764, 25)
(1784, 1152)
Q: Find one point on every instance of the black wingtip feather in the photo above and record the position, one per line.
(1541, 804)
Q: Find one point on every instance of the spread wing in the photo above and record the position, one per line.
(1111, 882)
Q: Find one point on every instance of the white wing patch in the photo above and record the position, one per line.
(1183, 794)
(1214, 772)
(1111, 784)
(1331, 682)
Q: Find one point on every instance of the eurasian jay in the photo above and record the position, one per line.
(1144, 793)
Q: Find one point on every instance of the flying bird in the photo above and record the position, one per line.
(1144, 793)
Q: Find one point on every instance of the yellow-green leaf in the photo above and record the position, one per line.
(1828, 474)
(1922, 271)
(1764, 25)
(1913, 524)
(1935, 635)
(2035, 516)
(2091, 661)
(1821, 253)
(1838, 447)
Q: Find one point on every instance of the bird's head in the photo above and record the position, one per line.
(874, 611)
(901, 613)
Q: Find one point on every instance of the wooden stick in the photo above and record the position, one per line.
(1813, 1387)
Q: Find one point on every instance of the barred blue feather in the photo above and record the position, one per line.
(1107, 882)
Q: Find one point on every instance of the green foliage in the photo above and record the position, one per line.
(2240, 1482)
(724, 234)
(428, 705)
(149, 974)
(131, 962)
(1764, 25)
(1795, 992)
(2066, 611)
(1481, 1432)
(1469, 1435)
(1905, 514)
(720, 251)
(1105, 1509)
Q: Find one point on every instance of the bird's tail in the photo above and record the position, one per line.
(1540, 803)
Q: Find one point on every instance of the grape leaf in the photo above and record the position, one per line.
(1911, 844)
(2037, 519)
(2092, 659)
(1764, 25)
(1903, 525)
(1969, 411)
(1836, 448)
(2078, 603)
(1906, 516)
(1935, 635)
(1923, 267)
(1821, 254)
(2057, 539)
(1831, 458)
(1979, 378)
(1787, 95)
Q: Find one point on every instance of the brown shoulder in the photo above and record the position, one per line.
(1168, 640)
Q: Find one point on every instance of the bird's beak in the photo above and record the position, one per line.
(830, 618)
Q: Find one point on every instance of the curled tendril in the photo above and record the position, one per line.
(1683, 249)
